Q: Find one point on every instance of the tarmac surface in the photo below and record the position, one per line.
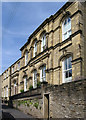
(14, 114)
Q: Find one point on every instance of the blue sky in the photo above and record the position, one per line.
(19, 20)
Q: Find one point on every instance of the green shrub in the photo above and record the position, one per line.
(19, 103)
(31, 87)
(31, 103)
(28, 105)
(38, 84)
(36, 105)
(22, 91)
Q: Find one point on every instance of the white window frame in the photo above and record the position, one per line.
(69, 79)
(35, 49)
(26, 58)
(35, 79)
(66, 29)
(25, 84)
(43, 43)
(42, 74)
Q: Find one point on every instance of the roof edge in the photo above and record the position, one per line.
(47, 20)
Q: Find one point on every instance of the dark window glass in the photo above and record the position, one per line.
(70, 73)
(66, 74)
(65, 64)
(68, 19)
(69, 63)
(65, 22)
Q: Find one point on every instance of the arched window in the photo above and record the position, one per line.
(26, 57)
(35, 49)
(66, 28)
(43, 74)
(43, 44)
(35, 79)
(15, 88)
(25, 84)
(67, 70)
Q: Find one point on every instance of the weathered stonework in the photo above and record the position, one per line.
(65, 101)
(52, 56)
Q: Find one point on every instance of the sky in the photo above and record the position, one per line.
(19, 20)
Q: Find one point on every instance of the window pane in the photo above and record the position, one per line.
(65, 35)
(70, 73)
(66, 74)
(44, 40)
(66, 28)
(35, 75)
(69, 63)
(65, 64)
(68, 19)
(44, 74)
(36, 46)
(65, 22)
(69, 32)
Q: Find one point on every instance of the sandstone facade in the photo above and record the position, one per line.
(52, 53)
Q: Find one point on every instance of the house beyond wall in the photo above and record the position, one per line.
(55, 52)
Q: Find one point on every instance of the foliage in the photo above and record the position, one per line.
(28, 105)
(19, 103)
(31, 87)
(36, 105)
(29, 101)
(38, 84)
(22, 90)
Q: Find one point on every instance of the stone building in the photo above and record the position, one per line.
(55, 52)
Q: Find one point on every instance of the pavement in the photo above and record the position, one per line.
(14, 114)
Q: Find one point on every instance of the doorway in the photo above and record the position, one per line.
(46, 106)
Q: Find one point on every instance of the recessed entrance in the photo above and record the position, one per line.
(46, 105)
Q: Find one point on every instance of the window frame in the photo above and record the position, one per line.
(35, 79)
(43, 74)
(25, 84)
(15, 85)
(66, 29)
(43, 43)
(35, 48)
(26, 58)
(66, 69)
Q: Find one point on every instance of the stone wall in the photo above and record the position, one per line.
(30, 106)
(67, 100)
(56, 101)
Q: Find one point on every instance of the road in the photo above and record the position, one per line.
(13, 114)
